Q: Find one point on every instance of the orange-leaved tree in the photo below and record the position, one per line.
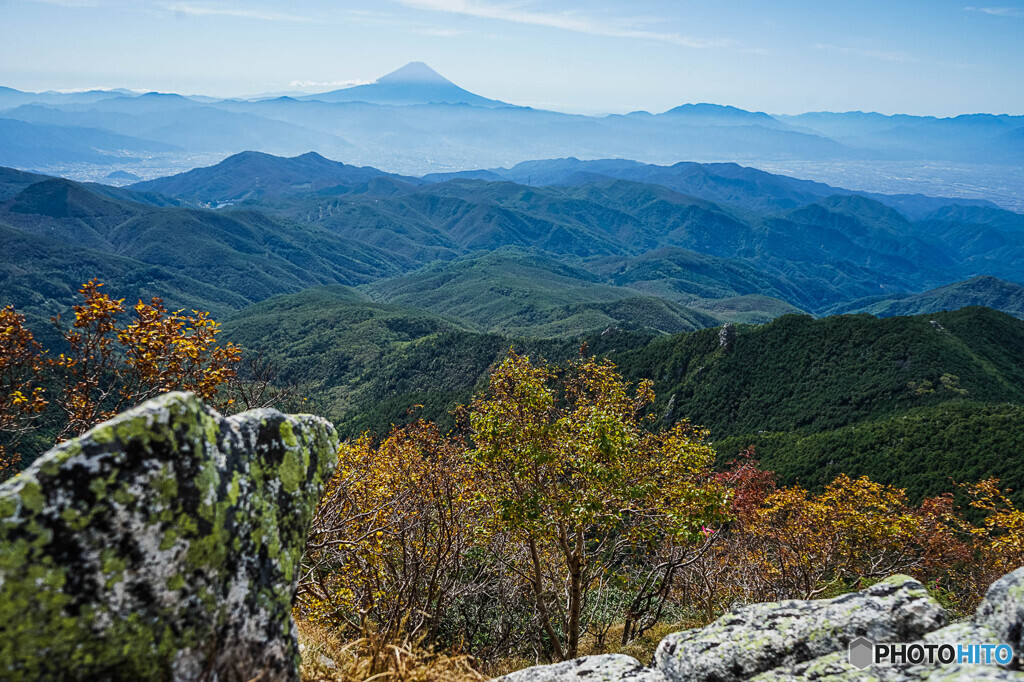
(794, 544)
(112, 364)
(997, 540)
(109, 363)
(389, 540)
(807, 545)
(578, 486)
(21, 393)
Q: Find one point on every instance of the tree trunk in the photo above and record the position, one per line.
(575, 598)
(542, 608)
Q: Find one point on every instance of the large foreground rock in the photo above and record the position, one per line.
(163, 544)
(757, 638)
(808, 640)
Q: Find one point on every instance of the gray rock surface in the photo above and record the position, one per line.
(758, 638)
(606, 668)
(808, 640)
(163, 544)
(1002, 611)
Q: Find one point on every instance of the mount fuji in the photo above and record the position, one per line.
(414, 83)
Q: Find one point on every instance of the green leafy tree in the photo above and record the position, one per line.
(578, 485)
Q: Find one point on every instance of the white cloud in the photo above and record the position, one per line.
(439, 32)
(999, 11)
(307, 85)
(883, 55)
(98, 88)
(200, 11)
(68, 3)
(568, 21)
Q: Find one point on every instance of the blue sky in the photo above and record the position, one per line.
(782, 56)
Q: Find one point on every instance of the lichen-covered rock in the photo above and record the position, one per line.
(163, 544)
(808, 640)
(999, 619)
(1002, 612)
(758, 638)
(607, 668)
(836, 668)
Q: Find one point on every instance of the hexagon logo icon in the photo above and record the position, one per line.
(862, 653)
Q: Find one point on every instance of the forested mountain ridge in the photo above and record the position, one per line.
(309, 221)
(247, 256)
(984, 290)
(377, 292)
(254, 176)
(817, 397)
(797, 373)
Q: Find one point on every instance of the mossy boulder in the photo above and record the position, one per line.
(762, 637)
(163, 544)
(796, 640)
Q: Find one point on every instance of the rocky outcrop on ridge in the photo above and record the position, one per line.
(809, 640)
(162, 544)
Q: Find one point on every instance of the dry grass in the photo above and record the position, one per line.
(370, 658)
(325, 658)
(641, 648)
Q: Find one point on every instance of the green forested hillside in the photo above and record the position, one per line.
(246, 254)
(979, 291)
(911, 401)
(801, 374)
(531, 295)
(687, 276)
(40, 277)
(13, 181)
(926, 450)
(443, 279)
(366, 364)
(749, 309)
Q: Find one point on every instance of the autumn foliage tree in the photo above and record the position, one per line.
(389, 541)
(578, 486)
(112, 364)
(855, 529)
(111, 361)
(788, 542)
(994, 529)
(21, 392)
(562, 512)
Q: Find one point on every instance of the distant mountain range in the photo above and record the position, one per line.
(586, 246)
(722, 182)
(415, 121)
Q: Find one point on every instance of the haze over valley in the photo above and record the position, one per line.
(414, 121)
